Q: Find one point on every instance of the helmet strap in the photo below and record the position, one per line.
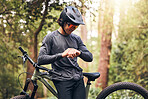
(64, 29)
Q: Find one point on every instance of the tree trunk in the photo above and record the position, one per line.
(30, 67)
(105, 29)
(34, 42)
(35, 47)
(39, 29)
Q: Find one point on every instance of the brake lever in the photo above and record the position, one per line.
(24, 59)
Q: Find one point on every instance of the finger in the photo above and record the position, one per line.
(70, 56)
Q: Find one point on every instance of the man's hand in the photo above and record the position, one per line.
(71, 53)
(65, 53)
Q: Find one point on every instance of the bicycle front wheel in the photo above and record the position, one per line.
(123, 90)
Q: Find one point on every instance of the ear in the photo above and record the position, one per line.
(61, 22)
(64, 24)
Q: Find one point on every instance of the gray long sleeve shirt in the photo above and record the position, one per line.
(53, 45)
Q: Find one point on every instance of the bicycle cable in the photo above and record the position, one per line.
(20, 75)
(24, 60)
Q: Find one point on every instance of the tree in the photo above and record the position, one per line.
(8, 58)
(9, 39)
(129, 54)
(21, 22)
(105, 29)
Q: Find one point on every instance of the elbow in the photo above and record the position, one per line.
(43, 60)
(90, 59)
(39, 61)
(87, 57)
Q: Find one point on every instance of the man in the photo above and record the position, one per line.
(61, 49)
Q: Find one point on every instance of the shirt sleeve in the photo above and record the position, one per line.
(85, 54)
(45, 56)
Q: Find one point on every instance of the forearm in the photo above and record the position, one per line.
(48, 59)
(86, 56)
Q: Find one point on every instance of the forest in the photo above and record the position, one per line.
(115, 32)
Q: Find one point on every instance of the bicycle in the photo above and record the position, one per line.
(121, 90)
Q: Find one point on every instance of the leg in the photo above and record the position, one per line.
(79, 90)
(64, 89)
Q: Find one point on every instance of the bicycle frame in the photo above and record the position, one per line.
(41, 76)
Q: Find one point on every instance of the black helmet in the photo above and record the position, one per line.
(70, 14)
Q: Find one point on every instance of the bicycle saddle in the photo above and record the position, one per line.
(92, 76)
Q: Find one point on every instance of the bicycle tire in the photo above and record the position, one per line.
(20, 97)
(123, 86)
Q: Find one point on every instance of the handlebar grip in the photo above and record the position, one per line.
(20, 48)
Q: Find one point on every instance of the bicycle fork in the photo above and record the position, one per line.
(26, 86)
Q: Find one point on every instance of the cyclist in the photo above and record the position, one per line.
(61, 49)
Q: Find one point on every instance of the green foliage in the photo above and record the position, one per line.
(8, 85)
(94, 48)
(18, 21)
(93, 93)
(129, 59)
(8, 65)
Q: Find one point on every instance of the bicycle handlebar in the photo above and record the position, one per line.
(24, 52)
(35, 65)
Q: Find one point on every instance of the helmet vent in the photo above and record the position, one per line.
(73, 10)
(66, 9)
(72, 16)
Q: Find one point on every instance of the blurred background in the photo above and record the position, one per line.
(115, 31)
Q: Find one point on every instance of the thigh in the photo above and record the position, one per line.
(79, 90)
(64, 89)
